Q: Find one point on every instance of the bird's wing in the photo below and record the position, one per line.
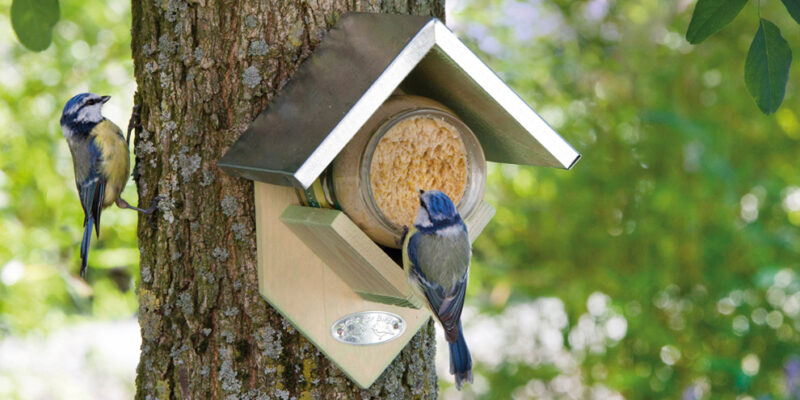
(450, 309)
(441, 265)
(434, 293)
(91, 184)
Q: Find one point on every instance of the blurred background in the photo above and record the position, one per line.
(665, 265)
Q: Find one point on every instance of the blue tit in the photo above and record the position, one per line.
(101, 161)
(436, 255)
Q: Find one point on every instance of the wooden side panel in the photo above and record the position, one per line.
(297, 283)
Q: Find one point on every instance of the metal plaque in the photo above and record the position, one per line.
(368, 327)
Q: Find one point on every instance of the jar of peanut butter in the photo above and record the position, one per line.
(410, 143)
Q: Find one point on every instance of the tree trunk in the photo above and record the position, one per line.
(205, 69)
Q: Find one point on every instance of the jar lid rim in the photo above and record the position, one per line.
(366, 157)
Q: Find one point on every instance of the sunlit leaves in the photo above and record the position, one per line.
(33, 22)
(769, 58)
(793, 6)
(40, 215)
(710, 16)
(667, 240)
(766, 69)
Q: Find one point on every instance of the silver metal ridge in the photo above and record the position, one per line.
(362, 61)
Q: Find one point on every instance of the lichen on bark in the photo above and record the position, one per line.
(205, 69)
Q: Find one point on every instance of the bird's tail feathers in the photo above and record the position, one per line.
(87, 238)
(460, 360)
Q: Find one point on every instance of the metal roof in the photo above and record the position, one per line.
(358, 65)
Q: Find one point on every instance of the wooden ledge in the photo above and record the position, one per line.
(355, 258)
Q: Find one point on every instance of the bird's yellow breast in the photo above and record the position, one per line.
(115, 165)
(406, 261)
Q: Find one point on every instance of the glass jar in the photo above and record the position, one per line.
(410, 143)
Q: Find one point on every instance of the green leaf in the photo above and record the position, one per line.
(33, 22)
(793, 6)
(766, 69)
(710, 16)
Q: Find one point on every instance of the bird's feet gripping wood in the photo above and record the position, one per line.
(134, 123)
(121, 203)
(399, 241)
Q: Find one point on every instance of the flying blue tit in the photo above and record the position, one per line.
(101, 161)
(436, 255)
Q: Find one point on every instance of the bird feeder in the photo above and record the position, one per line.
(386, 105)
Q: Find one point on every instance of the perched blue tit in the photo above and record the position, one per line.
(101, 161)
(436, 255)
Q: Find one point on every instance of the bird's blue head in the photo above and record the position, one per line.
(82, 112)
(435, 209)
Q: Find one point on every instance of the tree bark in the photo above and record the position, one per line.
(205, 69)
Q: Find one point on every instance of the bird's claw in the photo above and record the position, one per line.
(399, 242)
(154, 204)
(157, 200)
(135, 122)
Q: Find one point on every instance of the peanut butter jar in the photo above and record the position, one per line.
(410, 143)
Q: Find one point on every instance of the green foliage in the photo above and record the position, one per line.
(33, 22)
(40, 214)
(684, 209)
(710, 16)
(793, 6)
(766, 70)
(768, 61)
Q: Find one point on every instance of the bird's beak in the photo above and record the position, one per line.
(421, 192)
(104, 99)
